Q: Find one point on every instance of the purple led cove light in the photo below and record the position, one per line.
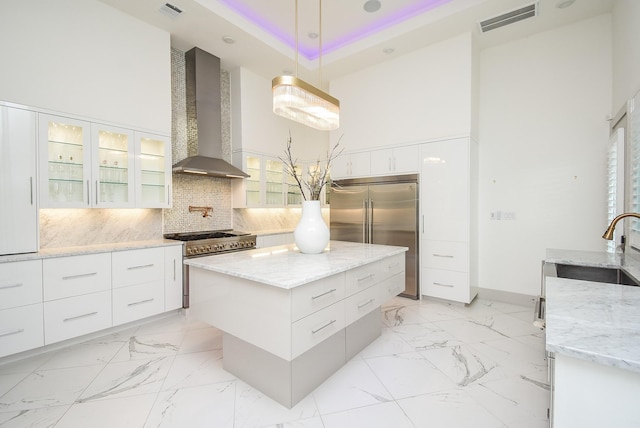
(311, 52)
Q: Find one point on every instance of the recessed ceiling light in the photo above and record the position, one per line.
(312, 35)
(372, 5)
(228, 39)
(287, 72)
(564, 3)
(388, 50)
(172, 11)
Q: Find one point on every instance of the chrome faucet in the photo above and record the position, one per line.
(608, 234)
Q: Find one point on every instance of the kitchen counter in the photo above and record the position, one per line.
(88, 249)
(286, 267)
(594, 321)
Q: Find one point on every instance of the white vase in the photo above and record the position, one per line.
(311, 234)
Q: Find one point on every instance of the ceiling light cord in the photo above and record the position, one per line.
(296, 30)
(320, 48)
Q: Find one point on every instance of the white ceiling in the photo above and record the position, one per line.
(263, 30)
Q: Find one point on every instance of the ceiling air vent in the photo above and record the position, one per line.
(170, 10)
(520, 14)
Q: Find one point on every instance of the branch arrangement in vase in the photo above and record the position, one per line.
(318, 173)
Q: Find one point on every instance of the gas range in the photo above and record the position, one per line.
(206, 243)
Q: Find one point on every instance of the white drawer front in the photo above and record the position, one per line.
(363, 277)
(445, 284)
(72, 276)
(20, 283)
(446, 255)
(138, 301)
(137, 266)
(362, 303)
(75, 316)
(21, 329)
(391, 287)
(309, 331)
(314, 296)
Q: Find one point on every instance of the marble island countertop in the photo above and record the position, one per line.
(594, 321)
(286, 267)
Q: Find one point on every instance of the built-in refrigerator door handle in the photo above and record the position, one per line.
(365, 211)
(370, 222)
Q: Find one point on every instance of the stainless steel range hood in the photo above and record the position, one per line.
(204, 122)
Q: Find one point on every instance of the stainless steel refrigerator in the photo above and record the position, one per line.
(379, 210)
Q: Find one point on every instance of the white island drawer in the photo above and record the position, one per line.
(309, 331)
(446, 255)
(445, 284)
(76, 275)
(365, 276)
(137, 266)
(312, 297)
(20, 283)
(75, 316)
(137, 302)
(362, 303)
(391, 287)
(21, 329)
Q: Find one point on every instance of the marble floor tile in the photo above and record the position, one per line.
(354, 385)
(506, 324)
(253, 409)
(464, 365)
(25, 365)
(382, 415)
(129, 412)
(477, 307)
(300, 423)
(399, 314)
(425, 336)
(469, 330)
(201, 339)
(49, 388)
(150, 346)
(42, 417)
(198, 368)
(513, 356)
(98, 351)
(436, 311)
(388, 343)
(452, 408)
(195, 407)
(8, 381)
(127, 378)
(406, 375)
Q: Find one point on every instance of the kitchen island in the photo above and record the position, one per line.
(593, 331)
(290, 320)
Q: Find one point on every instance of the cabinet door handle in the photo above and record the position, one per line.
(80, 275)
(390, 165)
(371, 275)
(368, 302)
(174, 269)
(4, 287)
(448, 256)
(9, 333)
(31, 189)
(443, 285)
(77, 317)
(323, 294)
(140, 266)
(88, 193)
(96, 192)
(140, 302)
(323, 327)
(168, 202)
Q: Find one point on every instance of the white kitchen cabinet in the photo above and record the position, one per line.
(172, 277)
(349, 165)
(266, 186)
(76, 275)
(152, 170)
(447, 195)
(396, 160)
(18, 209)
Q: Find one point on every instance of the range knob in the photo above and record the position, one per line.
(189, 251)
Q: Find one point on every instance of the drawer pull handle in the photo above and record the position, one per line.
(140, 267)
(323, 294)
(9, 333)
(323, 327)
(371, 275)
(443, 285)
(79, 316)
(448, 256)
(393, 266)
(81, 275)
(140, 302)
(11, 286)
(368, 302)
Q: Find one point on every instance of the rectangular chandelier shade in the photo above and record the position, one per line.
(301, 102)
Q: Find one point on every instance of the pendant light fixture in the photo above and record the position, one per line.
(295, 99)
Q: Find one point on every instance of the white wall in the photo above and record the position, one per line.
(543, 139)
(626, 53)
(420, 96)
(83, 57)
(257, 129)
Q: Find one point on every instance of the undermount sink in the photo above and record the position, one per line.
(596, 274)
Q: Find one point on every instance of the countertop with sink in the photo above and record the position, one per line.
(594, 321)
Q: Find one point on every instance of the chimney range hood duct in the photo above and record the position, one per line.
(204, 122)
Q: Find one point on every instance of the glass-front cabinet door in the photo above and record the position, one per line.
(112, 167)
(274, 182)
(252, 183)
(65, 162)
(294, 196)
(153, 170)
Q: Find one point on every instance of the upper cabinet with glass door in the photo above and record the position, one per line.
(112, 164)
(153, 171)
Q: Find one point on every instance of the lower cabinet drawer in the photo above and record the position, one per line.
(75, 275)
(313, 329)
(21, 329)
(362, 303)
(137, 301)
(75, 316)
(391, 287)
(445, 284)
(20, 283)
(365, 276)
(316, 295)
(137, 266)
(446, 255)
